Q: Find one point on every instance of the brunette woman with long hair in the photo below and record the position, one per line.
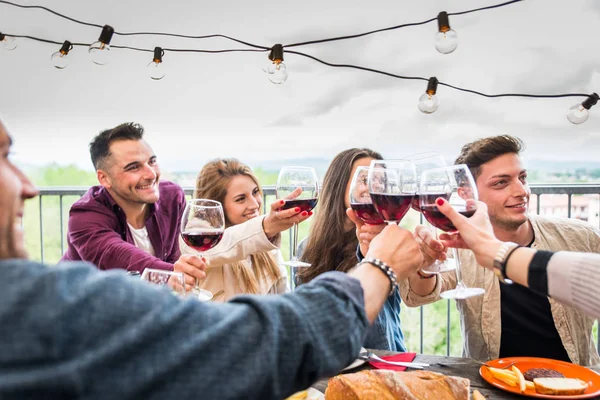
(233, 184)
(332, 243)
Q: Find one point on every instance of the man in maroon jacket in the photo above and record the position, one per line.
(131, 221)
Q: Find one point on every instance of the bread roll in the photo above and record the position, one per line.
(391, 385)
(560, 386)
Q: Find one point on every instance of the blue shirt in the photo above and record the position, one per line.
(73, 332)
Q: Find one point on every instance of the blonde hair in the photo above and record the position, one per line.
(212, 183)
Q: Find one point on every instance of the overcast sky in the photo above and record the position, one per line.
(223, 105)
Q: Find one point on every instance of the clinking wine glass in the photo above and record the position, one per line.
(202, 227)
(455, 184)
(392, 187)
(289, 179)
(360, 199)
(423, 162)
(172, 279)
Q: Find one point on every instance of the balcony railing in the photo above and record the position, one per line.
(541, 194)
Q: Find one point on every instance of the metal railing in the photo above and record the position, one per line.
(538, 190)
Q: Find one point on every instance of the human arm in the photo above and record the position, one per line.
(114, 336)
(569, 277)
(96, 236)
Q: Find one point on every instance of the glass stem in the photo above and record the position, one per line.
(459, 282)
(196, 280)
(295, 243)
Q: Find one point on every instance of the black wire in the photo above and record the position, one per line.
(136, 33)
(397, 26)
(439, 83)
(138, 48)
(355, 67)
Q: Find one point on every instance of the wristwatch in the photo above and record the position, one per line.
(500, 260)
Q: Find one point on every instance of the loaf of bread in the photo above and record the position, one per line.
(391, 385)
(559, 386)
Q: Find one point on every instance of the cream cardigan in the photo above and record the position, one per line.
(239, 242)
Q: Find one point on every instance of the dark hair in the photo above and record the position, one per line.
(100, 145)
(481, 151)
(330, 245)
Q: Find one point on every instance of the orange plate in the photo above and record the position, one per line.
(524, 363)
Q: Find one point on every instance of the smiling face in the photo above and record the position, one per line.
(361, 162)
(242, 201)
(15, 188)
(131, 173)
(502, 185)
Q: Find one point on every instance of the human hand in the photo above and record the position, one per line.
(431, 248)
(397, 248)
(279, 220)
(192, 268)
(364, 232)
(475, 233)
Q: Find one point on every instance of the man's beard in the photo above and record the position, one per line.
(508, 224)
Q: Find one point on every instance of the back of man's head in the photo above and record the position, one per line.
(100, 145)
(481, 151)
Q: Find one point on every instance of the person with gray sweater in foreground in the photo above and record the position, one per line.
(71, 331)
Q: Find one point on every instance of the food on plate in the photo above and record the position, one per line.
(509, 377)
(560, 386)
(533, 373)
(299, 395)
(385, 384)
(520, 378)
(477, 395)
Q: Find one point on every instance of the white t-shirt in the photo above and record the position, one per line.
(141, 239)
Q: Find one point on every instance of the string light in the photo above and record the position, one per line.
(276, 70)
(100, 50)
(446, 39)
(580, 113)
(60, 59)
(155, 68)
(8, 42)
(428, 102)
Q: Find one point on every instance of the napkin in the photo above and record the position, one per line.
(406, 357)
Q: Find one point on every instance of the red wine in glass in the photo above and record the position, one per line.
(439, 220)
(392, 207)
(367, 213)
(202, 240)
(303, 204)
(415, 203)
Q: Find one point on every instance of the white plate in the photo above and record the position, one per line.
(314, 394)
(356, 362)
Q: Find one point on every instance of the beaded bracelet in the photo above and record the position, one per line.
(385, 268)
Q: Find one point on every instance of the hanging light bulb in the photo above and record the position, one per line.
(579, 113)
(155, 68)
(446, 39)
(276, 71)
(8, 42)
(60, 59)
(428, 102)
(100, 50)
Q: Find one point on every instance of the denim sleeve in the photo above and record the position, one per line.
(359, 255)
(87, 334)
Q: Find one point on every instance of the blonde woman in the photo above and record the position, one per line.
(250, 265)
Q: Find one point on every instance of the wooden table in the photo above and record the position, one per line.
(463, 367)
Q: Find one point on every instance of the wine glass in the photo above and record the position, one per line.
(202, 227)
(392, 186)
(360, 199)
(456, 184)
(423, 162)
(161, 277)
(289, 179)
